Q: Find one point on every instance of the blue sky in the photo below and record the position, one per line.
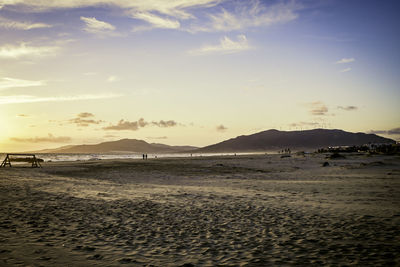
(194, 72)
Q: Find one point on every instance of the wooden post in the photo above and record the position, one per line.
(6, 162)
(35, 163)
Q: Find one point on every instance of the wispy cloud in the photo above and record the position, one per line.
(110, 136)
(19, 99)
(22, 25)
(135, 125)
(164, 124)
(96, 26)
(348, 108)
(226, 46)
(346, 70)
(318, 108)
(123, 125)
(46, 139)
(23, 115)
(84, 119)
(6, 83)
(85, 115)
(248, 14)
(345, 60)
(171, 14)
(221, 128)
(394, 131)
(175, 8)
(158, 13)
(156, 21)
(84, 122)
(304, 124)
(25, 50)
(157, 137)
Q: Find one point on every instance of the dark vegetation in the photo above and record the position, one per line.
(386, 149)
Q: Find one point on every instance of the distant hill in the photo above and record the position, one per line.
(123, 145)
(309, 139)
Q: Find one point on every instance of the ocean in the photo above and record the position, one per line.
(56, 157)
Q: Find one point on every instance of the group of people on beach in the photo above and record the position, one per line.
(144, 156)
(286, 151)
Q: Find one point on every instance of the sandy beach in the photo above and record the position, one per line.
(252, 210)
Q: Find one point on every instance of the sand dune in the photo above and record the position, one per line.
(246, 210)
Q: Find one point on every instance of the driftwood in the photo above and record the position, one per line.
(30, 158)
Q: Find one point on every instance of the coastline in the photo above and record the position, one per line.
(75, 157)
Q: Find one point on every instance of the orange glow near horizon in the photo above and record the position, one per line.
(79, 72)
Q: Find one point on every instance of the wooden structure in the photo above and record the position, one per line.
(32, 158)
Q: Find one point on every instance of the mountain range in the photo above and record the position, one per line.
(120, 146)
(262, 141)
(308, 139)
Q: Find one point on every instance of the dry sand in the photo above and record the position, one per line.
(247, 210)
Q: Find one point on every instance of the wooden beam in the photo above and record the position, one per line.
(7, 160)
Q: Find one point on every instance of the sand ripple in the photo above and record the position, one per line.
(192, 221)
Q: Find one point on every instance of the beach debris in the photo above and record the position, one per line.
(301, 153)
(325, 164)
(336, 156)
(30, 158)
(374, 163)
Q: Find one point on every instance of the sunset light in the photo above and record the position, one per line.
(185, 133)
(246, 65)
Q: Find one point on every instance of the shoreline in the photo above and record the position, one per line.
(85, 157)
(76, 157)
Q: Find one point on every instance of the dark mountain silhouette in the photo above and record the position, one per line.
(309, 139)
(123, 145)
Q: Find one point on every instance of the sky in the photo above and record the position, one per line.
(194, 72)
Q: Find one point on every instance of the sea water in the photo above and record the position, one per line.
(56, 157)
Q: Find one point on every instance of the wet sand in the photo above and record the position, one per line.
(257, 210)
